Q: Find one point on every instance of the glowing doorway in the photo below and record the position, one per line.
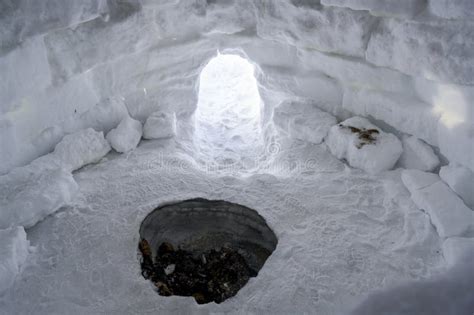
(228, 125)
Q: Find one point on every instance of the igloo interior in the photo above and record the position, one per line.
(347, 125)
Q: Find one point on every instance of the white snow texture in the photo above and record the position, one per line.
(301, 109)
(13, 254)
(160, 125)
(126, 136)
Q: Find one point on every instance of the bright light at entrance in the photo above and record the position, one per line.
(228, 111)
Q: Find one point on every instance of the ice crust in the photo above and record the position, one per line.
(374, 157)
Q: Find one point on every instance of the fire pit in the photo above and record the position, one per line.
(207, 249)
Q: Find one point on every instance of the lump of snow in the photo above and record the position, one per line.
(417, 155)
(28, 195)
(160, 125)
(80, 148)
(13, 253)
(461, 181)
(312, 127)
(126, 136)
(389, 8)
(457, 249)
(303, 121)
(447, 212)
(104, 116)
(364, 145)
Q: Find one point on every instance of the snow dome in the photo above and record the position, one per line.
(347, 125)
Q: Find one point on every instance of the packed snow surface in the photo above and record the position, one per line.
(341, 234)
(13, 254)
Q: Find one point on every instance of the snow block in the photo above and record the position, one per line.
(303, 121)
(457, 249)
(160, 125)
(75, 50)
(416, 179)
(461, 181)
(312, 127)
(364, 145)
(447, 212)
(453, 9)
(324, 92)
(306, 24)
(405, 45)
(22, 18)
(355, 72)
(13, 253)
(104, 116)
(390, 8)
(28, 195)
(456, 140)
(126, 136)
(24, 71)
(417, 155)
(81, 148)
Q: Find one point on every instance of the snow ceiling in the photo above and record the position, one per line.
(255, 84)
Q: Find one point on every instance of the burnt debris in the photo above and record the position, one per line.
(366, 136)
(211, 276)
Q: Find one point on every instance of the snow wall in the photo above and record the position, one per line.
(408, 63)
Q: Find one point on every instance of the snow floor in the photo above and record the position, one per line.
(341, 234)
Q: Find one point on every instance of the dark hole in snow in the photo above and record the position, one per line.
(207, 249)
